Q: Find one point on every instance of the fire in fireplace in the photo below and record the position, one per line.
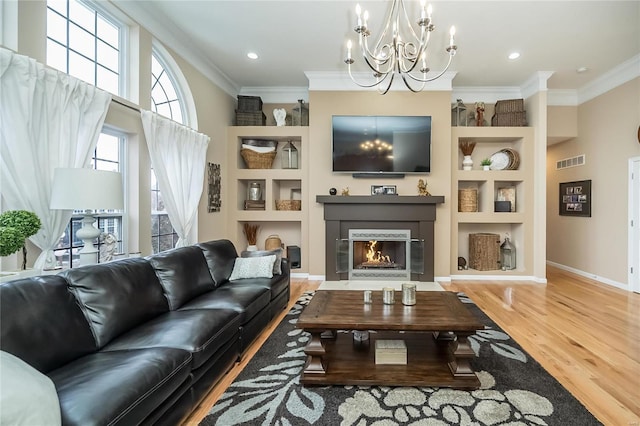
(379, 254)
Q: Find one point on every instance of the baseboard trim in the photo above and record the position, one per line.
(301, 275)
(589, 275)
(499, 278)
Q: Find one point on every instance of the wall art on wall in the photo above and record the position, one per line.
(575, 198)
(215, 202)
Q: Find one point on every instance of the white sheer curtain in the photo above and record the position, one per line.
(48, 119)
(178, 156)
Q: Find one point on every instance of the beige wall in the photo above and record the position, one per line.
(607, 128)
(325, 104)
(214, 109)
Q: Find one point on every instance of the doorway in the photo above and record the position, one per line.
(634, 224)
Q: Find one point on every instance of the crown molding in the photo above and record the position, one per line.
(340, 81)
(277, 95)
(562, 97)
(536, 83)
(488, 94)
(613, 78)
(172, 37)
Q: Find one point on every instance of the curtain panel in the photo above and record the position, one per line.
(48, 119)
(178, 156)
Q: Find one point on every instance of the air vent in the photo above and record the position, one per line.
(570, 162)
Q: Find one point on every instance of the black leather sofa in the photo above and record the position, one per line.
(138, 341)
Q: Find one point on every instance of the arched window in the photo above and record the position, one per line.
(170, 97)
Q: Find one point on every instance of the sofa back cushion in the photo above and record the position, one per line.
(117, 296)
(220, 255)
(183, 273)
(41, 323)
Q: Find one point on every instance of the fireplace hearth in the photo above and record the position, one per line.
(407, 258)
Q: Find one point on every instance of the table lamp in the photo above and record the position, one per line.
(88, 190)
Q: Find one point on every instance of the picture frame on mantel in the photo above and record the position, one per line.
(575, 198)
(384, 190)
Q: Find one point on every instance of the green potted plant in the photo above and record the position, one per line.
(486, 162)
(15, 227)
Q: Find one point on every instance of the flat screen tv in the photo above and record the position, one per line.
(381, 144)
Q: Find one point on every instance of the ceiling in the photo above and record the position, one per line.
(296, 36)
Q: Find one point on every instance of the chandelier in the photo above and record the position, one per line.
(398, 51)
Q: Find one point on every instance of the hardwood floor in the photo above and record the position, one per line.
(586, 334)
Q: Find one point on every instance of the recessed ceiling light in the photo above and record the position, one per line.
(252, 55)
(582, 69)
(514, 55)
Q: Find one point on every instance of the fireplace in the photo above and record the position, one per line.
(411, 256)
(379, 254)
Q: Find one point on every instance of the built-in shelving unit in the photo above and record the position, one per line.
(519, 223)
(276, 183)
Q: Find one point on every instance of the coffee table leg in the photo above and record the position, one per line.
(460, 354)
(315, 352)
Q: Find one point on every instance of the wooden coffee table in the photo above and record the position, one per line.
(435, 331)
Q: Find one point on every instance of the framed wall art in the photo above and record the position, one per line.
(575, 198)
(214, 200)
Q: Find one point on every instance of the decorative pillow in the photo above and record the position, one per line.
(260, 149)
(253, 267)
(277, 265)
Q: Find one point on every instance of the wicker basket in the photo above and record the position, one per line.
(288, 204)
(249, 103)
(509, 119)
(253, 118)
(257, 160)
(467, 200)
(509, 105)
(484, 252)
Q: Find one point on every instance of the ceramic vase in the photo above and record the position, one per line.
(467, 163)
(252, 247)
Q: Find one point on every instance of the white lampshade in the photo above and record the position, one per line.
(86, 189)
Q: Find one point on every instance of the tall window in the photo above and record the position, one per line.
(85, 43)
(167, 102)
(108, 155)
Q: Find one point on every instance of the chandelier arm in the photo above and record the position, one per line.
(406, 83)
(409, 25)
(366, 85)
(426, 80)
(422, 50)
(367, 55)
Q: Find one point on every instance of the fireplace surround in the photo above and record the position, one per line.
(416, 214)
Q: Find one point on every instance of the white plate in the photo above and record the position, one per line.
(500, 161)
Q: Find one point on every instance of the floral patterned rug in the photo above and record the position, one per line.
(515, 390)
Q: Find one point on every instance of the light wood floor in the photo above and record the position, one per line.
(586, 334)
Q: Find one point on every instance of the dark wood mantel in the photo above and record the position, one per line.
(342, 213)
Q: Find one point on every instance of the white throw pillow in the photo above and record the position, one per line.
(260, 149)
(27, 397)
(277, 265)
(253, 267)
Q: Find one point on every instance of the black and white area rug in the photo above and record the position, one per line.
(515, 390)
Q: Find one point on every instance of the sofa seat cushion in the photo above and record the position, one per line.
(246, 300)
(201, 332)
(275, 285)
(119, 387)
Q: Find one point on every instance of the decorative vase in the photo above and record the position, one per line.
(252, 247)
(486, 167)
(467, 163)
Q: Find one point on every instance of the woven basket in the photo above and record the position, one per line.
(257, 160)
(467, 200)
(288, 204)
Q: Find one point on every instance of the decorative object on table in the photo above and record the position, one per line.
(384, 190)
(214, 197)
(575, 198)
(258, 157)
(290, 205)
(300, 114)
(108, 243)
(484, 251)
(249, 112)
(507, 193)
(280, 115)
(360, 335)
(408, 294)
(272, 242)
(485, 163)
(505, 159)
(393, 352)
(254, 205)
(388, 295)
(509, 112)
(251, 234)
(289, 156)
(92, 190)
(502, 206)
(459, 114)
(507, 255)
(467, 200)
(15, 227)
(333, 191)
(467, 149)
(368, 296)
(345, 191)
(422, 188)
(462, 263)
(255, 191)
(404, 51)
(479, 116)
